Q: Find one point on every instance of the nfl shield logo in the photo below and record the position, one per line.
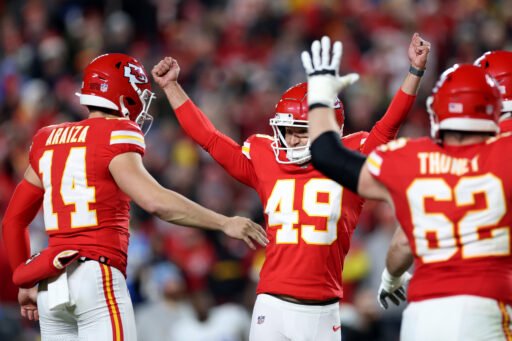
(261, 319)
(104, 87)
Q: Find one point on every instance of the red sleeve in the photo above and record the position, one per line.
(386, 129)
(22, 209)
(224, 150)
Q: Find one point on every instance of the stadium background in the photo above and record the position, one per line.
(236, 58)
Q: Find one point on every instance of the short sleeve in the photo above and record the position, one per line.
(35, 147)
(387, 160)
(374, 163)
(251, 140)
(126, 137)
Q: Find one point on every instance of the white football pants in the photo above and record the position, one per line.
(457, 318)
(277, 320)
(88, 302)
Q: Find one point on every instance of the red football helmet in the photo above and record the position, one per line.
(499, 65)
(119, 82)
(465, 98)
(292, 111)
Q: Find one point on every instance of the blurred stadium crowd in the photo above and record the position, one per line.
(236, 58)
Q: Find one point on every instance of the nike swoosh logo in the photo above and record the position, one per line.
(335, 329)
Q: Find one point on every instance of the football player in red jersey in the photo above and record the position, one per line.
(310, 219)
(84, 174)
(499, 65)
(451, 195)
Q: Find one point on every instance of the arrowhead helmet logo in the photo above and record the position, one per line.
(135, 74)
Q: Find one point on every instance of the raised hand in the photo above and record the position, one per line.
(418, 52)
(166, 72)
(246, 230)
(392, 288)
(322, 70)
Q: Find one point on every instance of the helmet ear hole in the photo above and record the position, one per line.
(130, 101)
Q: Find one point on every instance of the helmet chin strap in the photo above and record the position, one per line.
(124, 110)
(299, 155)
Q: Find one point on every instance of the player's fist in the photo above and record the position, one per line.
(418, 52)
(166, 72)
(392, 288)
(321, 66)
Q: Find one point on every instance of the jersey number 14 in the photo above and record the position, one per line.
(73, 190)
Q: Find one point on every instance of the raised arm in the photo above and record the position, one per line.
(223, 149)
(328, 154)
(386, 129)
(132, 177)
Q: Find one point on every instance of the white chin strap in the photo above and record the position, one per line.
(299, 154)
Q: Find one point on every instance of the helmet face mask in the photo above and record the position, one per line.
(144, 119)
(292, 111)
(294, 155)
(464, 99)
(118, 82)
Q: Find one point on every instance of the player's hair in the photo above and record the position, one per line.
(462, 134)
(107, 111)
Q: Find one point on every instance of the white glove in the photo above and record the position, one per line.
(324, 82)
(393, 288)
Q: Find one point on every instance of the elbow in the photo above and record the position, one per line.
(320, 156)
(152, 205)
(318, 159)
(164, 205)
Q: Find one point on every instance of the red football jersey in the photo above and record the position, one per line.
(310, 220)
(506, 125)
(452, 203)
(83, 206)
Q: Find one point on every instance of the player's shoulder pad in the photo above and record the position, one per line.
(395, 155)
(43, 133)
(120, 123)
(506, 136)
(355, 140)
(254, 141)
(125, 131)
(394, 145)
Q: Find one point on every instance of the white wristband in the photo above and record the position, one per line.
(388, 279)
(322, 90)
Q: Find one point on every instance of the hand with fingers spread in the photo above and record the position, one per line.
(321, 66)
(27, 298)
(393, 288)
(246, 230)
